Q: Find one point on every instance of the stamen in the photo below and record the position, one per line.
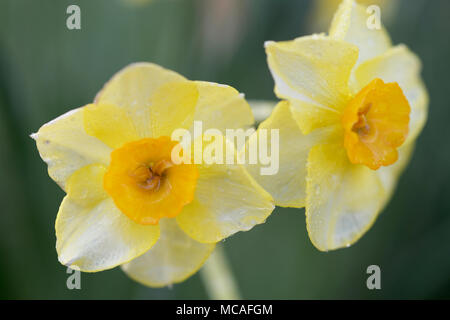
(161, 166)
(149, 176)
(152, 183)
(142, 173)
(361, 127)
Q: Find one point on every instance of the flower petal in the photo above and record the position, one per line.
(110, 124)
(227, 200)
(92, 234)
(178, 105)
(288, 185)
(343, 200)
(400, 65)
(310, 117)
(66, 147)
(222, 107)
(389, 175)
(132, 88)
(172, 107)
(314, 69)
(172, 259)
(350, 24)
(159, 101)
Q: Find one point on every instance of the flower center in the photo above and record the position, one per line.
(144, 183)
(376, 123)
(361, 127)
(148, 176)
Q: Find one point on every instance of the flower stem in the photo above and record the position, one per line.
(218, 277)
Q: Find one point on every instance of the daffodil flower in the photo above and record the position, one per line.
(353, 107)
(127, 203)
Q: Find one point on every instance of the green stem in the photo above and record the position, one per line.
(218, 277)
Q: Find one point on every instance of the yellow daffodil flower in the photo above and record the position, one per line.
(127, 203)
(353, 107)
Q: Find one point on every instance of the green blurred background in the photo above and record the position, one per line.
(47, 70)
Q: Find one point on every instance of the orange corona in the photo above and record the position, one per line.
(144, 183)
(376, 123)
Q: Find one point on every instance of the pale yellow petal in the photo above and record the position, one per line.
(350, 24)
(222, 107)
(66, 147)
(158, 101)
(400, 65)
(178, 105)
(280, 135)
(314, 69)
(91, 233)
(110, 124)
(132, 88)
(172, 259)
(227, 200)
(343, 200)
(173, 107)
(389, 175)
(310, 116)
